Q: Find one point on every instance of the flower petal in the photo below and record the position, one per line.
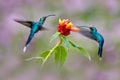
(75, 29)
(61, 22)
(69, 25)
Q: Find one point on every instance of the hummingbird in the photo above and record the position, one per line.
(92, 33)
(34, 26)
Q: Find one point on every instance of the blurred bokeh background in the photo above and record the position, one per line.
(103, 14)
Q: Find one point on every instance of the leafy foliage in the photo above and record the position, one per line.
(59, 51)
(60, 55)
(54, 36)
(44, 54)
(82, 50)
(66, 42)
(34, 58)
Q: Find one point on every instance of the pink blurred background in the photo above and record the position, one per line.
(103, 14)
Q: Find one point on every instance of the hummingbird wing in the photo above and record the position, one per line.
(26, 23)
(84, 30)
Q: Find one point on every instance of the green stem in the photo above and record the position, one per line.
(52, 50)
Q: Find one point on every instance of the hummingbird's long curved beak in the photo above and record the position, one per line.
(50, 15)
(83, 26)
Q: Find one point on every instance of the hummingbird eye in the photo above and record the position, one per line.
(43, 18)
(91, 28)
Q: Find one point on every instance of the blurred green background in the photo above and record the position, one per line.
(103, 14)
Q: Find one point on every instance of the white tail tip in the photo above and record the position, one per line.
(100, 59)
(24, 50)
(89, 58)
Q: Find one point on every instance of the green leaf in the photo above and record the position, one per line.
(82, 50)
(44, 54)
(74, 45)
(54, 36)
(60, 55)
(34, 58)
(66, 42)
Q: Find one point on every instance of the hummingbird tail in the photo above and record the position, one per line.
(28, 41)
(24, 49)
(100, 52)
(101, 42)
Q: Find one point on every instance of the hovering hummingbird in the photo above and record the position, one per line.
(91, 32)
(35, 27)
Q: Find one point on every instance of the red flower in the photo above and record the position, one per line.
(65, 26)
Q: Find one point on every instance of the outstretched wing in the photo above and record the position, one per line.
(26, 23)
(84, 30)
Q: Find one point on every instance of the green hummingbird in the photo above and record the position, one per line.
(92, 33)
(35, 27)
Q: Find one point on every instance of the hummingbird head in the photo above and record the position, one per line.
(44, 18)
(93, 29)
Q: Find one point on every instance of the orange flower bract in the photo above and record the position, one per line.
(65, 26)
